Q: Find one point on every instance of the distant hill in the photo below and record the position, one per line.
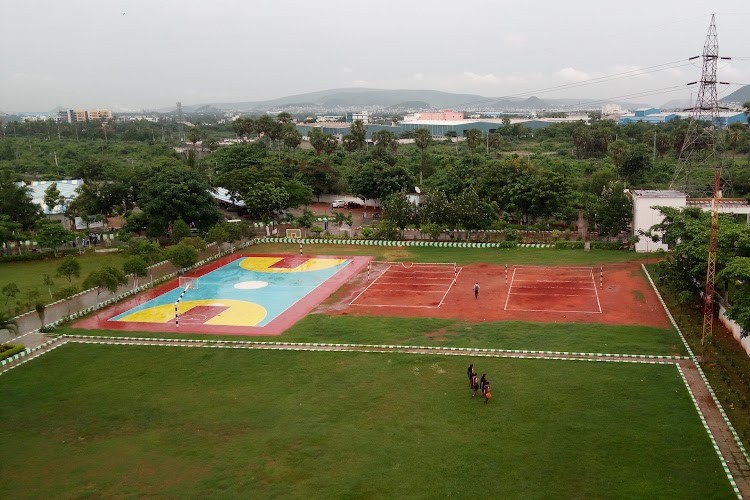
(402, 100)
(676, 104)
(739, 96)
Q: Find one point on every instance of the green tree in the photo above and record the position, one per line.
(136, 266)
(291, 137)
(69, 268)
(10, 291)
(52, 197)
(148, 251)
(737, 272)
(264, 200)
(617, 151)
(177, 193)
(8, 233)
(107, 277)
(385, 140)
(52, 235)
(399, 210)
(437, 209)
(635, 164)
(474, 213)
(422, 138)
(182, 255)
(16, 203)
(358, 133)
(614, 210)
(180, 230)
(219, 235)
(473, 138)
(49, 283)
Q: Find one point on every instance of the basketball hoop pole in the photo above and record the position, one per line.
(300, 249)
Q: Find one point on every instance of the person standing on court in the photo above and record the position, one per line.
(476, 290)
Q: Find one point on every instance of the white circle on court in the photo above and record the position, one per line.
(251, 285)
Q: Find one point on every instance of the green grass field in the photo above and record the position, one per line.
(29, 276)
(115, 421)
(573, 337)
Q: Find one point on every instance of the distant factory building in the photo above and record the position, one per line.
(655, 115)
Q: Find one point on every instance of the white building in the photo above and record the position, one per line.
(645, 215)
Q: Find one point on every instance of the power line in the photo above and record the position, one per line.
(590, 81)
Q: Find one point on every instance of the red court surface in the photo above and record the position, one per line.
(193, 320)
(626, 297)
(553, 289)
(426, 285)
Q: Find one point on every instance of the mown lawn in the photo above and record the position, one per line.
(106, 421)
(573, 337)
(29, 276)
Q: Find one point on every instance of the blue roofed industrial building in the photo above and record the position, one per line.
(655, 115)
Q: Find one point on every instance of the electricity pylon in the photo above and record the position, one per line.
(699, 147)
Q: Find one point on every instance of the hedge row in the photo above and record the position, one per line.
(24, 257)
(8, 350)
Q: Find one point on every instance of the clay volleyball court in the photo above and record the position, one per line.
(553, 289)
(407, 284)
(617, 294)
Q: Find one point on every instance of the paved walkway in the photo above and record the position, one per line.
(734, 458)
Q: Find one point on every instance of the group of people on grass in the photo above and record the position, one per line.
(481, 385)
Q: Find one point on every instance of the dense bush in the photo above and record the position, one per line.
(8, 350)
(507, 244)
(29, 256)
(569, 245)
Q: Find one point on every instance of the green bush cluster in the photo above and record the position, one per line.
(569, 245)
(30, 256)
(8, 350)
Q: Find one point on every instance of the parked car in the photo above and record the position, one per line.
(352, 204)
(338, 204)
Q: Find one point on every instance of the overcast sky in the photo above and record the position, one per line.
(134, 54)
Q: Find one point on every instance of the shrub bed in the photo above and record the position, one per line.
(8, 350)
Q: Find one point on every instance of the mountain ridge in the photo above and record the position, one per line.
(355, 98)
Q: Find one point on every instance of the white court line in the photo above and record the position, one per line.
(596, 294)
(553, 267)
(507, 298)
(404, 292)
(556, 281)
(551, 294)
(555, 311)
(593, 282)
(401, 283)
(394, 305)
(458, 271)
(368, 287)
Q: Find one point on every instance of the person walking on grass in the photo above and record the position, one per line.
(476, 290)
(486, 391)
(471, 373)
(482, 381)
(474, 385)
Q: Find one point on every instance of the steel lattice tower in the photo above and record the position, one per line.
(699, 147)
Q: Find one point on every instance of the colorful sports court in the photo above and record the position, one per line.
(237, 295)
